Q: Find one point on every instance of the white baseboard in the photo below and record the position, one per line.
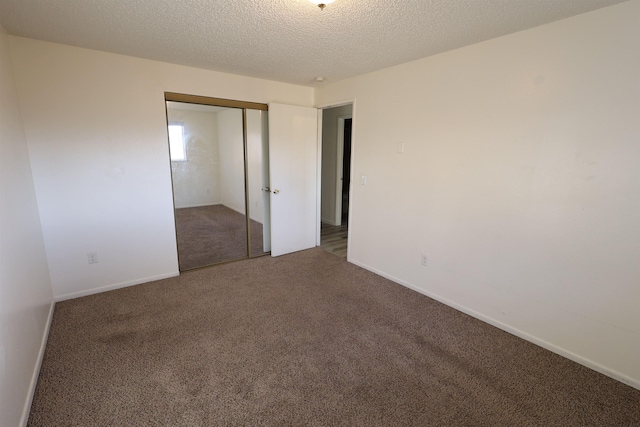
(510, 329)
(36, 369)
(200, 205)
(240, 211)
(114, 286)
(45, 336)
(330, 222)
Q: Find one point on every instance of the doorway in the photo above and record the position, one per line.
(344, 184)
(220, 177)
(336, 178)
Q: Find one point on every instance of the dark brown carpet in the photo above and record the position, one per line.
(212, 234)
(303, 340)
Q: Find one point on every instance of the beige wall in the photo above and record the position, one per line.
(96, 130)
(25, 289)
(230, 137)
(257, 163)
(519, 180)
(196, 180)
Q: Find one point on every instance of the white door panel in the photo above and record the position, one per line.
(293, 146)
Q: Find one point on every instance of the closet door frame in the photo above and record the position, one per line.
(229, 103)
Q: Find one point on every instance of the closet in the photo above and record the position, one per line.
(219, 152)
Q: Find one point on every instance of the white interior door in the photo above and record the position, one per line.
(293, 150)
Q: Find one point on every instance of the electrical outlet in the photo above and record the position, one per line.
(424, 260)
(92, 257)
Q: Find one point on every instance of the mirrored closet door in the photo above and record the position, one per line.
(219, 167)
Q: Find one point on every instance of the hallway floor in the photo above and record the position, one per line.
(334, 239)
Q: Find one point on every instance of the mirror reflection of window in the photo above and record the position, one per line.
(176, 142)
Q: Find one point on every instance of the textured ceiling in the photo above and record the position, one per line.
(285, 40)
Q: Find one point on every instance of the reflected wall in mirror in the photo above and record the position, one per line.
(258, 181)
(207, 147)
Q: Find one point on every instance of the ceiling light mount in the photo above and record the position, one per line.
(321, 3)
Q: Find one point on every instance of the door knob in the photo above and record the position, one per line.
(276, 191)
(267, 189)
